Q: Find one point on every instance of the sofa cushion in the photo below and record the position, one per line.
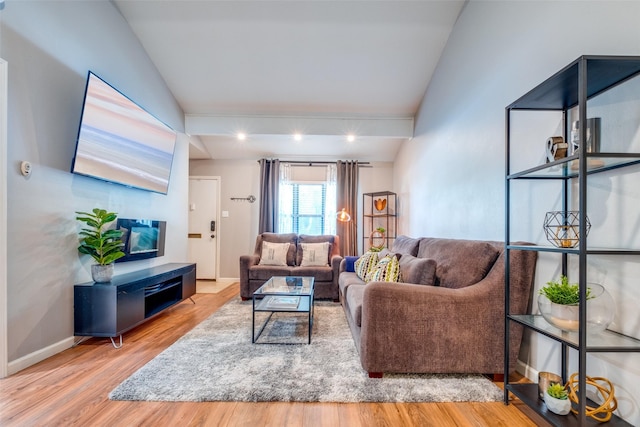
(274, 254)
(365, 264)
(346, 279)
(314, 254)
(405, 245)
(350, 262)
(290, 238)
(459, 263)
(355, 296)
(387, 270)
(419, 271)
(305, 238)
(266, 272)
(320, 273)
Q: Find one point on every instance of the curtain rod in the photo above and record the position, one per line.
(302, 162)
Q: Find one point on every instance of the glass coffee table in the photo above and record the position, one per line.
(282, 294)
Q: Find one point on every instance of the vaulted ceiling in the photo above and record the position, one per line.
(271, 69)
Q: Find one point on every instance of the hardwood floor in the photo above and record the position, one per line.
(71, 388)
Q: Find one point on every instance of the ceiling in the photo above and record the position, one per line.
(270, 69)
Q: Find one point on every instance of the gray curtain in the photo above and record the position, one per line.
(347, 197)
(269, 183)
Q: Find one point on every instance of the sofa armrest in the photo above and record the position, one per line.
(336, 262)
(418, 328)
(246, 261)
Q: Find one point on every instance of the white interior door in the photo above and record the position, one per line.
(203, 225)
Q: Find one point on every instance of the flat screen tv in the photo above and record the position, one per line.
(118, 141)
(142, 238)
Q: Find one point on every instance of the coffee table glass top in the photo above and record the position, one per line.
(286, 285)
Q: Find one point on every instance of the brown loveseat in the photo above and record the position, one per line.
(451, 323)
(253, 274)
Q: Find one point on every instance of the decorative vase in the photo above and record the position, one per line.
(557, 406)
(380, 204)
(600, 311)
(376, 239)
(102, 273)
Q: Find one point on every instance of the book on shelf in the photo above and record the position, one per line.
(283, 302)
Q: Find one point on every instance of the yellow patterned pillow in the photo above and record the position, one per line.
(387, 270)
(365, 264)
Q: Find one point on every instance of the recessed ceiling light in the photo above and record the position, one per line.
(351, 137)
(297, 137)
(241, 136)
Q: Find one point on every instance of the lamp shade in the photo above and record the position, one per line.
(343, 216)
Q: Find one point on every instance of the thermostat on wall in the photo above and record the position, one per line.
(25, 168)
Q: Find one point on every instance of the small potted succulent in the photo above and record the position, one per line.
(558, 302)
(557, 399)
(104, 245)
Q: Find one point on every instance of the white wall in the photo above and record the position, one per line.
(450, 177)
(50, 46)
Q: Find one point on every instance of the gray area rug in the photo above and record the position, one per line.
(217, 362)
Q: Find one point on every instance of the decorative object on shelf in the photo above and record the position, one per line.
(104, 245)
(604, 388)
(343, 216)
(592, 140)
(545, 379)
(376, 238)
(562, 228)
(380, 204)
(250, 198)
(556, 148)
(557, 400)
(558, 303)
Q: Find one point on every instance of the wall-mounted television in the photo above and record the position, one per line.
(142, 238)
(118, 141)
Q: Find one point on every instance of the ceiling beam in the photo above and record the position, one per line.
(390, 127)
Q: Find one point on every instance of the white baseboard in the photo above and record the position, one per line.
(527, 371)
(38, 356)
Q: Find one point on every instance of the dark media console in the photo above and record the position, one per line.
(110, 309)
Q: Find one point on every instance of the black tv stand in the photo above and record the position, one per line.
(110, 309)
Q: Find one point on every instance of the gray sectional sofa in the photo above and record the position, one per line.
(253, 274)
(450, 319)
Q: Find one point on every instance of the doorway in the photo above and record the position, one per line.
(203, 246)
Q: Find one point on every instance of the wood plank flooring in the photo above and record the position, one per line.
(71, 388)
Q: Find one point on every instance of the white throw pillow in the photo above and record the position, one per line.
(274, 253)
(315, 254)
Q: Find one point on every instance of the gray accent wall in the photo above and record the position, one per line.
(450, 177)
(50, 46)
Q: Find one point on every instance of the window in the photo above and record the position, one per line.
(306, 207)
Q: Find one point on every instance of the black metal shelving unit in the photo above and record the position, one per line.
(385, 217)
(569, 89)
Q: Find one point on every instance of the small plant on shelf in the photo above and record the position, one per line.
(562, 292)
(102, 244)
(558, 391)
(557, 399)
(381, 229)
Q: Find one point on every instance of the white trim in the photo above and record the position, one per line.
(40, 355)
(218, 222)
(3, 218)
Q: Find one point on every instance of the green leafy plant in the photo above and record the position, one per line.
(562, 292)
(104, 245)
(381, 229)
(558, 391)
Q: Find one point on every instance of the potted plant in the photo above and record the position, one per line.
(557, 399)
(103, 244)
(559, 304)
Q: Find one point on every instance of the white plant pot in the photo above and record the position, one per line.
(557, 406)
(102, 273)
